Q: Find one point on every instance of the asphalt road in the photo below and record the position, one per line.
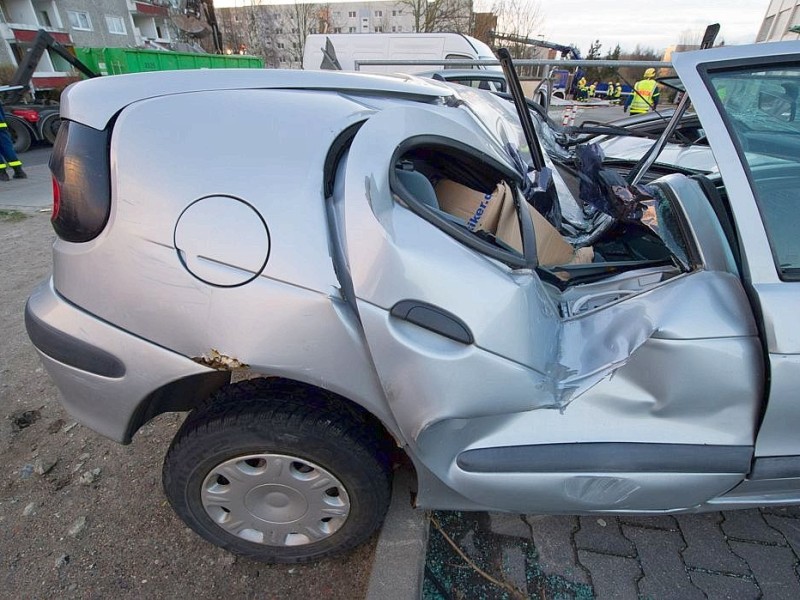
(37, 155)
(35, 192)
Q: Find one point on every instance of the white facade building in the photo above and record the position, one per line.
(83, 23)
(277, 32)
(371, 17)
(782, 16)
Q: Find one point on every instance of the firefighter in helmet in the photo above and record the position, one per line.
(645, 93)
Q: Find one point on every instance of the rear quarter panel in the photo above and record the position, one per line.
(267, 149)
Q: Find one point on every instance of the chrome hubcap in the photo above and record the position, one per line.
(275, 499)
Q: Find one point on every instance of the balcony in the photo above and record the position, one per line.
(25, 34)
(154, 8)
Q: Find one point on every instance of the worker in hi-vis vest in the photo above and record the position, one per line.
(645, 93)
(8, 158)
(583, 90)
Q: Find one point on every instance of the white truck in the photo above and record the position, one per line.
(350, 47)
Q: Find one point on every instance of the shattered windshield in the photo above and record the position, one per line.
(760, 109)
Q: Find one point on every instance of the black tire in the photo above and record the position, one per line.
(20, 135)
(249, 419)
(50, 125)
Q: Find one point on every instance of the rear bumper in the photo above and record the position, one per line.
(105, 374)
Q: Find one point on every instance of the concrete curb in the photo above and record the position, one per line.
(399, 565)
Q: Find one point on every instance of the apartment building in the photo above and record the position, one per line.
(781, 22)
(277, 32)
(370, 17)
(92, 23)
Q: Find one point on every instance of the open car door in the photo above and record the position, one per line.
(747, 99)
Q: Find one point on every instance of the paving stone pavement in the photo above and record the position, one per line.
(723, 555)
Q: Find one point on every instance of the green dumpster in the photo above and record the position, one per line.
(117, 61)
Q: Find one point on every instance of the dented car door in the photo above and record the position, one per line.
(638, 391)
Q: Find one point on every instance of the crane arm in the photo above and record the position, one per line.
(43, 41)
(566, 51)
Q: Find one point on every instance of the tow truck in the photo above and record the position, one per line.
(561, 78)
(35, 121)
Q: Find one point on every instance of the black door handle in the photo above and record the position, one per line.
(433, 318)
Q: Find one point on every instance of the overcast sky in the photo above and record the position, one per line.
(654, 24)
(630, 22)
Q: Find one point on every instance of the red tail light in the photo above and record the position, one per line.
(28, 114)
(56, 199)
(82, 189)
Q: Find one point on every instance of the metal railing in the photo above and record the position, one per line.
(467, 63)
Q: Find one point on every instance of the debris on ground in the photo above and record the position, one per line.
(26, 471)
(24, 419)
(77, 527)
(89, 477)
(55, 426)
(62, 561)
(44, 464)
(466, 559)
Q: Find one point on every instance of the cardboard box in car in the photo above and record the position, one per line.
(497, 214)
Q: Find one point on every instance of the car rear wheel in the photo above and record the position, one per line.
(20, 136)
(275, 478)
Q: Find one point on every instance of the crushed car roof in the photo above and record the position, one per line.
(95, 101)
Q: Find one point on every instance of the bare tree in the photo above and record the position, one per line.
(261, 27)
(519, 19)
(440, 15)
(250, 29)
(689, 40)
(277, 33)
(324, 19)
(337, 23)
(381, 24)
(233, 34)
(631, 75)
(592, 73)
(301, 20)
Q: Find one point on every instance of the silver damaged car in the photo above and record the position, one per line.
(333, 273)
